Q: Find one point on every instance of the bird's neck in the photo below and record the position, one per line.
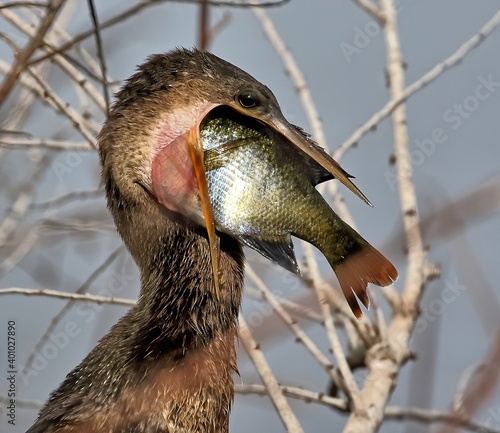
(178, 309)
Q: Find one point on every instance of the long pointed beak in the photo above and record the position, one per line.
(278, 122)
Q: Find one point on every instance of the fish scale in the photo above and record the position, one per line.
(259, 186)
(262, 191)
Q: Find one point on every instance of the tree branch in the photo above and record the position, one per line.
(35, 42)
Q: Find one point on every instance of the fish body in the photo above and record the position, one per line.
(262, 191)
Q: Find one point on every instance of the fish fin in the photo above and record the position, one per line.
(279, 250)
(354, 272)
(216, 157)
(317, 174)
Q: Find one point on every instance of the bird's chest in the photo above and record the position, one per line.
(191, 395)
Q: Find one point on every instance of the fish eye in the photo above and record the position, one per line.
(248, 99)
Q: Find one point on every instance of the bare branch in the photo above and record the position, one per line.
(34, 43)
(41, 143)
(418, 85)
(68, 198)
(100, 51)
(373, 10)
(300, 335)
(63, 311)
(280, 403)
(87, 297)
(298, 393)
(25, 195)
(75, 118)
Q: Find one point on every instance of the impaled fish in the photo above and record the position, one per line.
(262, 191)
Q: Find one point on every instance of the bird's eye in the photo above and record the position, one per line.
(248, 99)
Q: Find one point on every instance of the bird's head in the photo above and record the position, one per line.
(150, 141)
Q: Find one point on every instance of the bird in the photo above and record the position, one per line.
(168, 364)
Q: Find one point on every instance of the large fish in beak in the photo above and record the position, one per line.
(247, 172)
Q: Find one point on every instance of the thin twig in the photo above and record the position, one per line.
(100, 51)
(134, 10)
(300, 335)
(24, 197)
(419, 84)
(351, 387)
(203, 22)
(373, 10)
(35, 42)
(64, 310)
(275, 393)
(427, 416)
(68, 198)
(20, 251)
(87, 297)
(74, 117)
(42, 143)
(298, 393)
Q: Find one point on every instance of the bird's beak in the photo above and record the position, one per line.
(277, 121)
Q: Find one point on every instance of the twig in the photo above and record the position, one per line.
(68, 198)
(351, 387)
(87, 297)
(134, 10)
(203, 37)
(23, 404)
(298, 393)
(293, 70)
(100, 51)
(75, 118)
(25, 195)
(275, 393)
(419, 84)
(479, 387)
(373, 10)
(65, 64)
(39, 143)
(383, 359)
(429, 416)
(293, 306)
(20, 251)
(300, 335)
(35, 42)
(64, 310)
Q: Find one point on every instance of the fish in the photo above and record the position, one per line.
(262, 191)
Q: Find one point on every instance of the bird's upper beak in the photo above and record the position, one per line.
(275, 120)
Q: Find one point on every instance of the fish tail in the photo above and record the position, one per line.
(362, 265)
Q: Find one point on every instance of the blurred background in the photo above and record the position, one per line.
(56, 233)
